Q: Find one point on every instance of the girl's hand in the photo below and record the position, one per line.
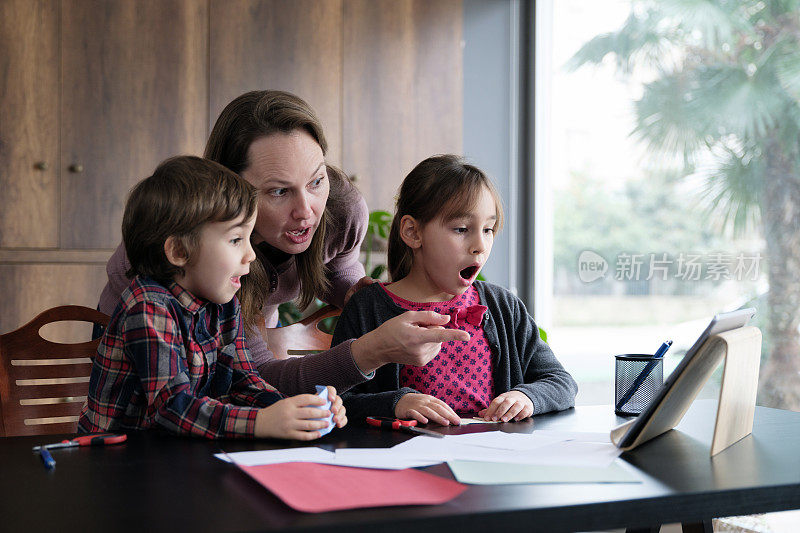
(337, 408)
(425, 408)
(511, 404)
(360, 284)
(292, 418)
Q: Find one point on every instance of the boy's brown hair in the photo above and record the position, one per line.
(183, 193)
(442, 186)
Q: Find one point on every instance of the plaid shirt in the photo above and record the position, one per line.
(172, 360)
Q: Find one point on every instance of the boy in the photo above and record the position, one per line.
(174, 353)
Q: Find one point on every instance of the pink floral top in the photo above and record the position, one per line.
(461, 375)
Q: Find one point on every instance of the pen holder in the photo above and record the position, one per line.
(638, 377)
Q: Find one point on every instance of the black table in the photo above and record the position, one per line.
(156, 482)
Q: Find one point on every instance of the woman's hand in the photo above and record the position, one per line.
(293, 418)
(360, 284)
(425, 408)
(512, 404)
(413, 338)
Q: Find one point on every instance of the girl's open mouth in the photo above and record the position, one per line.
(469, 272)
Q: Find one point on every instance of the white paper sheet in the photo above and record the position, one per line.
(538, 448)
(288, 455)
(476, 420)
(383, 458)
(482, 473)
(379, 458)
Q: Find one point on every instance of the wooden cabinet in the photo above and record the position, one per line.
(95, 93)
(273, 44)
(402, 82)
(134, 92)
(384, 76)
(29, 123)
(29, 289)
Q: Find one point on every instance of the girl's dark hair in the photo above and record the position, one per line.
(249, 117)
(183, 193)
(444, 187)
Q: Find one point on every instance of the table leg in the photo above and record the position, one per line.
(698, 527)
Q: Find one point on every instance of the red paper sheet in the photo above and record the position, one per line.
(318, 488)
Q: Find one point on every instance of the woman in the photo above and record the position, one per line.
(309, 227)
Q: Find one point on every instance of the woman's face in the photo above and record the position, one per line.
(289, 172)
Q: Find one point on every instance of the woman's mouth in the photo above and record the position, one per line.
(299, 236)
(236, 281)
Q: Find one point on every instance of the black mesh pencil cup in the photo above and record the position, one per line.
(638, 377)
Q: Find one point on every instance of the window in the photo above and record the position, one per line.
(669, 148)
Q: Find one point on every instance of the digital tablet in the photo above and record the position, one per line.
(720, 323)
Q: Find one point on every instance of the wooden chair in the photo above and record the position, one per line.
(302, 337)
(43, 384)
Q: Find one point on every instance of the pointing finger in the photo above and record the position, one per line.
(427, 318)
(444, 335)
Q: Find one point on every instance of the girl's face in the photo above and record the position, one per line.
(289, 172)
(449, 254)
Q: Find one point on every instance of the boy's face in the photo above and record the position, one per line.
(448, 255)
(289, 171)
(223, 256)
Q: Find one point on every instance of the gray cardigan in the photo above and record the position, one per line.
(521, 360)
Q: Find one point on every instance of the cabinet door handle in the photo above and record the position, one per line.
(41, 165)
(76, 168)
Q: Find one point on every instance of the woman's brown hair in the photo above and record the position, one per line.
(422, 195)
(247, 118)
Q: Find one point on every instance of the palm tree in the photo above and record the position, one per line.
(724, 102)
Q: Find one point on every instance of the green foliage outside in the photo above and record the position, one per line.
(724, 104)
(647, 216)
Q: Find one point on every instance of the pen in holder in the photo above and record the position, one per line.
(638, 377)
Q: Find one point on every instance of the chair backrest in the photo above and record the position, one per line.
(43, 384)
(302, 337)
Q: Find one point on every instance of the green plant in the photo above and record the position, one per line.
(288, 313)
(380, 222)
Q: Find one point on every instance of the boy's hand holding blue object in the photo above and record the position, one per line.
(302, 417)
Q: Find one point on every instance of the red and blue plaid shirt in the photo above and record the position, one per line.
(171, 360)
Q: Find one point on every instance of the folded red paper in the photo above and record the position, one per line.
(318, 488)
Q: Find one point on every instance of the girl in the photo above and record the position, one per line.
(448, 213)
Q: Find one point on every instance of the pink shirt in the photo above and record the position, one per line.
(461, 374)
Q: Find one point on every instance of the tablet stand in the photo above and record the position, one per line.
(741, 349)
